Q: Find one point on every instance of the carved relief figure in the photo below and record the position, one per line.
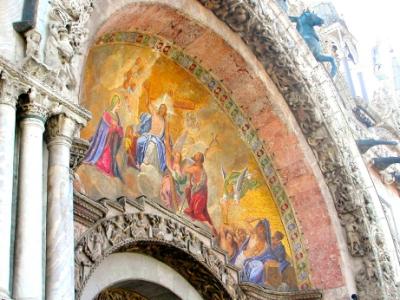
(95, 245)
(33, 39)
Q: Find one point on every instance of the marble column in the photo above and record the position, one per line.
(8, 100)
(60, 223)
(28, 265)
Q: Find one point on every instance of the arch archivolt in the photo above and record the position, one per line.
(246, 130)
(181, 247)
(314, 102)
(248, 96)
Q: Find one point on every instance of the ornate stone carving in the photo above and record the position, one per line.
(9, 89)
(60, 126)
(78, 152)
(67, 32)
(111, 234)
(86, 211)
(34, 105)
(119, 294)
(310, 94)
(33, 38)
(24, 83)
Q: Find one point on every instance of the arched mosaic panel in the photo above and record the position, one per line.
(165, 127)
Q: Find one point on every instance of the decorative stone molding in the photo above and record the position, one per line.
(67, 32)
(256, 292)
(86, 211)
(119, 294)
(78, 152)
(315, 103)
(124, 232)
(34, 105)
(9, 89)
(26, 81)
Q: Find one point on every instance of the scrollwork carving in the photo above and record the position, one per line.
(111, 234)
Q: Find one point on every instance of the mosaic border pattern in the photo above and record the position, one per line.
(247, 133)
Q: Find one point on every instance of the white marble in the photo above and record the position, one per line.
(121, 267)
(60, 224)
(7, 137)
(28, 266)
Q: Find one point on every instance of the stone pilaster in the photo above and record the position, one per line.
(8, 101)
(60, 224)
(28, 266)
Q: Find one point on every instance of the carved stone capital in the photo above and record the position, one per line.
(34, 105)
(60, 128)
(9, 90)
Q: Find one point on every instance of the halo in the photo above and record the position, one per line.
(166, 100)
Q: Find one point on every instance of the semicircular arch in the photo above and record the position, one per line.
(275, 115)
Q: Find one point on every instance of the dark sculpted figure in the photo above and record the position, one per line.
(305, 26)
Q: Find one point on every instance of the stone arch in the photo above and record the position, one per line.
(315, 104)
(122, 267)
(163, 238)
(273, 125)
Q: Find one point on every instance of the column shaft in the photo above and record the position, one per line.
(28, 266)
(7, 137)
(60, 225)
(60, 222)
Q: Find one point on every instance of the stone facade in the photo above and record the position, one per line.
(283, 103)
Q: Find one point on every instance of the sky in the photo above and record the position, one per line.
(370, 21)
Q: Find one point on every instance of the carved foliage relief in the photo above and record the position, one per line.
(165, 128)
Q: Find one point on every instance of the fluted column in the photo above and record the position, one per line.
(8, 100)
(28, 265)
(60, 224)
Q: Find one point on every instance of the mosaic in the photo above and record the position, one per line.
(165, 127)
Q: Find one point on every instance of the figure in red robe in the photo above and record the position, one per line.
(197, 192)
(105, 143)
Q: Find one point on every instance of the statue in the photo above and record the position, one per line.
(33, 39)
(58, 55)
(305, 26)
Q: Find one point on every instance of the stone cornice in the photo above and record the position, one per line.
(256, 292)
(86, 211)
(58, 103)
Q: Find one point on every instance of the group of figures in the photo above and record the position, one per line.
(161, 135)
(149, 149)
(260, 256)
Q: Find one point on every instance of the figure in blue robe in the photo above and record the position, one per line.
(253, 267)
(147, 137)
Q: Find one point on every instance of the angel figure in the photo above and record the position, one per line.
(172, 191)
(237, 184)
